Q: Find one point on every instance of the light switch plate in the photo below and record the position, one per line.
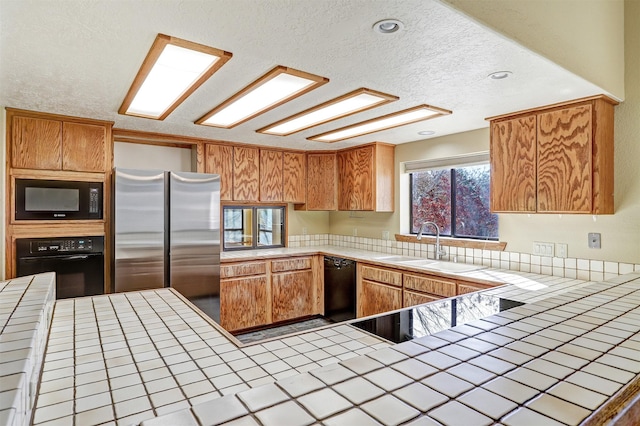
(561, 250)
(543, 249)
(594, 240)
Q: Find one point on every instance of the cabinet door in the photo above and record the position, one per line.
(219, 160)
(244, 303)
(411, 298)
(469, 287)
(295, 177)
(376, 298)
(84, 147)
(321, 182)
(293, 295)
(355, 168)
(430, 284)
(564, 160)
(271, 175)
(246, 166)
(513, 165)
(36, 143)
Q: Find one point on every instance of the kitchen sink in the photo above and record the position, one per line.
(451, 266)
(397, 258)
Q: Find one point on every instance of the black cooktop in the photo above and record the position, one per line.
(422, 320)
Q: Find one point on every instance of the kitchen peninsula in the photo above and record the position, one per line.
(149, 357)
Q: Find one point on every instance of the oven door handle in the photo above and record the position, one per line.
(59, 258)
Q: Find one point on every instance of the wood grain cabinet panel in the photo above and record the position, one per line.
(513, 165)
(243, 269)
(36, 143)
(366, 178)
(295, 177)
(564, 160)
(382, 275)
(569, 170)
(293, 295)
(271, 175)
(321, 181)
(244, 302)
(469, 287)
(412, 298)
(430, 284)
(219, 160)
(84, 147)
(375, 298)
(246, 173)
(293, 264)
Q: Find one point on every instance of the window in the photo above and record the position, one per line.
(456, 199)
(252, 227)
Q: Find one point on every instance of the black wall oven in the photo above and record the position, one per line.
(77, 261)
(40, 199)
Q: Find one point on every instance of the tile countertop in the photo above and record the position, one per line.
(571, 358)
(129, 357)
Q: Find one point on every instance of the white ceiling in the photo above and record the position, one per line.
(79, 57)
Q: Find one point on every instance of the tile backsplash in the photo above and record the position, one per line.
(583, 269)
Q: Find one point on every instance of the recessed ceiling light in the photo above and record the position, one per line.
(427, 133)
(276, 87)
(388, 26)
(396, 119)
(357, 101)
(173, 69)
(499, 75)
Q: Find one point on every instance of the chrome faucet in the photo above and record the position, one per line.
(439, 250)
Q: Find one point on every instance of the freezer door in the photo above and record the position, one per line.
(139, 229)
(194, 236)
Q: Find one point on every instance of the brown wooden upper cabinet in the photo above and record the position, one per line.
(46, 142)
(271, 175)
(555, 159)
(295, 177)
(246, 173)
(219, 160)
(321, 181)
(366, 178)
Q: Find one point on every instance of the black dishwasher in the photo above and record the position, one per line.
(339, 289)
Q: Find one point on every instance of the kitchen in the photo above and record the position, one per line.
(619, 231)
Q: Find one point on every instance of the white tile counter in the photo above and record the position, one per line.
(151, 357)
(26, 307)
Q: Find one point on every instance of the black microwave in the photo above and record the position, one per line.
(39, 199)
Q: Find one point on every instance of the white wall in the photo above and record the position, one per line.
(142, 156)
(584, 36)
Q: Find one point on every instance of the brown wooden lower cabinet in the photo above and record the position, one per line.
(244, 302)
(412, 298)
(376, 298)
(430, 284)
(293, 295)
(469, 287)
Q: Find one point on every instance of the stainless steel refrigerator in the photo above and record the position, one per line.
(166, 233)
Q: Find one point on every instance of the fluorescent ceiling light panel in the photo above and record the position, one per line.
(389, 121)
(276, 87)
(343, 106)
(173, 70)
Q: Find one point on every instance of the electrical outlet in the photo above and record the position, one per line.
(561, 250)
(304, 231)
(385, 235)
(542, 249)
(594, 240)
(355, 232)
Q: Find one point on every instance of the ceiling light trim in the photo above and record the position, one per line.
(157, 48)
(433, 113)
(384, 98)
(315, 82)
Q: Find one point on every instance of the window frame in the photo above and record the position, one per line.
(453, 235)
(254, 226)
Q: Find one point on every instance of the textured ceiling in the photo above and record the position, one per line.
(80, 57)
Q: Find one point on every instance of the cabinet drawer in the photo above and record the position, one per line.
(382, 275)
(295, 264)
(469, 287)
(412, 298)
(243, 269)
(430, 284)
